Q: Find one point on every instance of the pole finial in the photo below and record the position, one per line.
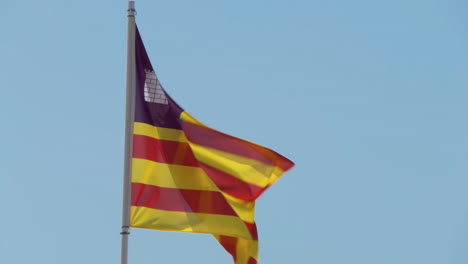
(131, 8)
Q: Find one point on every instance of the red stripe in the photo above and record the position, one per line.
(180, 200)
(253, 230)
(214, 139)
(230, 245)
(232, 185)
(163, 151)
(252, 261)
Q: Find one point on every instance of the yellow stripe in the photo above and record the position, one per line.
(186, 117)
(246, 249)
(143, 217)
(159, 132)
(245, 210)
(245, 169)
(170, 175)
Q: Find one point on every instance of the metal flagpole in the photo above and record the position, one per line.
(129, 117)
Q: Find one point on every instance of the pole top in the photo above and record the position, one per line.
(131, 11)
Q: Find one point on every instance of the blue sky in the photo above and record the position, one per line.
(368, 98)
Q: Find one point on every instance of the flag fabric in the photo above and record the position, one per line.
(187, 177)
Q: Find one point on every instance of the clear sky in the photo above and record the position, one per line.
(368, 98)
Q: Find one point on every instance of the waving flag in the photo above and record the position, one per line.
(187, 177)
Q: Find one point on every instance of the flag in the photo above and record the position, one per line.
(188, 177)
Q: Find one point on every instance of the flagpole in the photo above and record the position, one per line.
(129, 117)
